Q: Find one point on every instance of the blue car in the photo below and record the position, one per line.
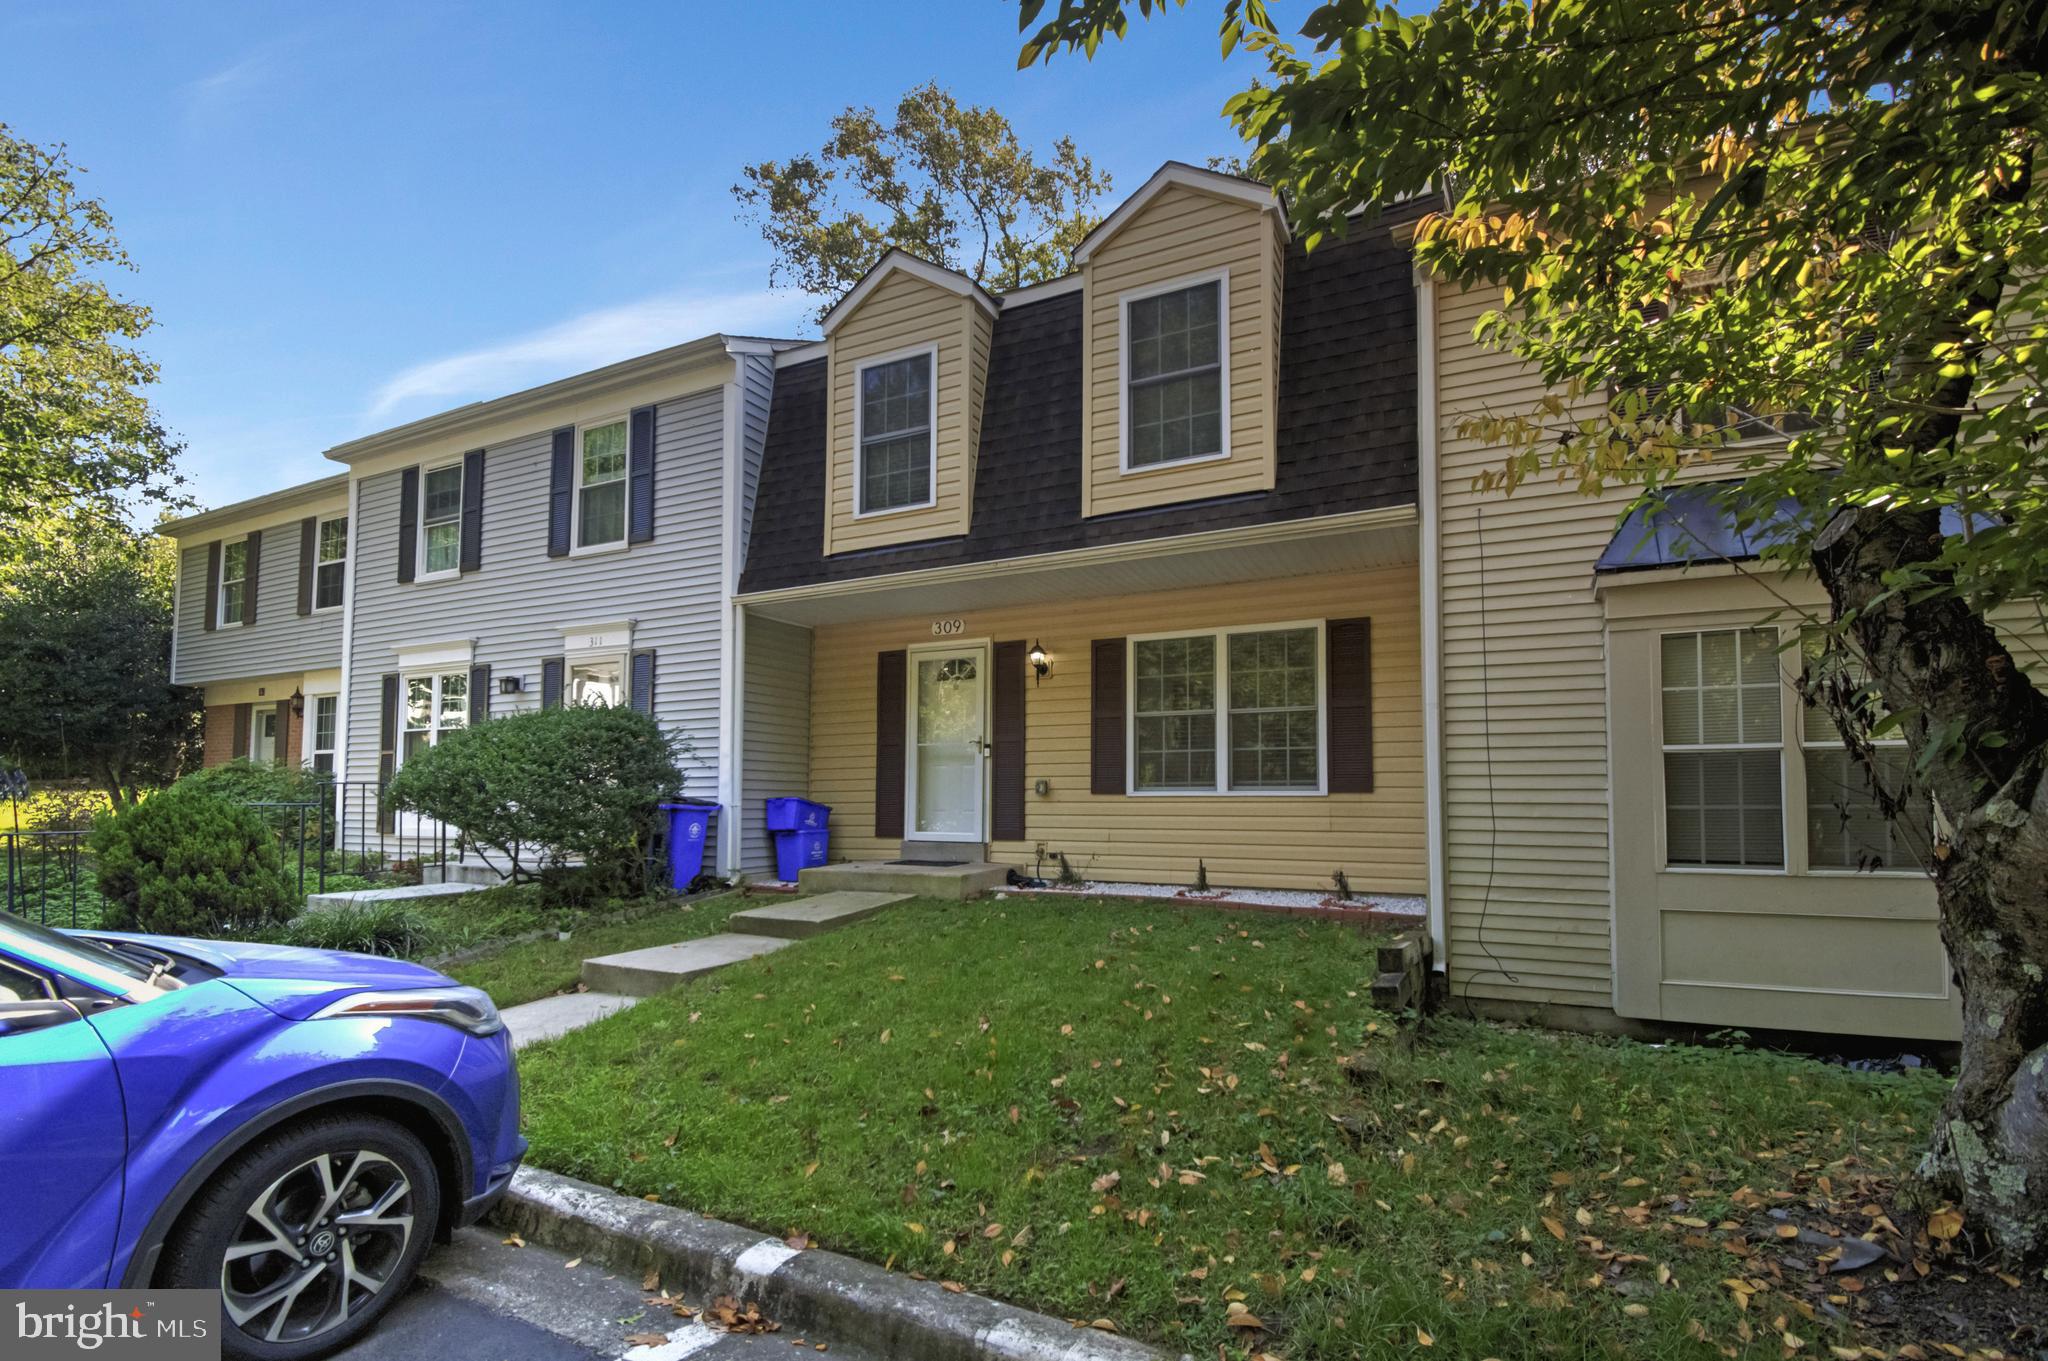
(290, 1127)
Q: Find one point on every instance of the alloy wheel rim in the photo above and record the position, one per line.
(316, 1245)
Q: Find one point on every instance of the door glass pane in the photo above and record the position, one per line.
(598, 682)
(948, 755)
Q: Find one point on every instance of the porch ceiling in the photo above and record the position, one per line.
(1337, 543)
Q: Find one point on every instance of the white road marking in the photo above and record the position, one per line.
(763, 1260)
(693, 1337)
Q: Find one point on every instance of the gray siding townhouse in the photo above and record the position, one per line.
(574, 543)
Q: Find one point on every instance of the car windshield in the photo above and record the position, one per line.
(86, 959)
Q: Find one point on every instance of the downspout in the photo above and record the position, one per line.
(731, 629)
(343, 705)
(1427, 499)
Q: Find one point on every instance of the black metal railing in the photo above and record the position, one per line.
(50, 878)
(370, 838)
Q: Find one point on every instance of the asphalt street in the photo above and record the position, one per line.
(481, 1300)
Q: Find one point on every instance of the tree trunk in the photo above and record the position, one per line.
(1976, 728)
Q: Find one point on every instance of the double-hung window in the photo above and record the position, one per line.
(894, 419)
(331, 563)
(1847, 827)
(601, 485)
(1236, 711)
(234, 581)
(435, 703)
(1724, 802)
(441, 521)
(325, 710)
(1174, 375)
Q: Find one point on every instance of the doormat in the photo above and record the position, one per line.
(935, 864)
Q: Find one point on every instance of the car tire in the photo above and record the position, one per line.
(309, 1235)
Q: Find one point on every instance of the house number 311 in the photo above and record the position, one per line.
(946, 628)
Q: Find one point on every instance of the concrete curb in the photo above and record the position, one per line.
(809, 1292)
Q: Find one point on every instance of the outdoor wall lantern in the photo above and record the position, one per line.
(1041, 662)
(298, 704)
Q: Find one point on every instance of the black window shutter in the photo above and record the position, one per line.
(1348, 682)
(280, 753)
(641, 693)
(387, 745)
(308, 528)
(640, 476)
(1006, 812)
(1106, 716)
(255, 562)
(890, 669)
(408, 523)
(479, 694)
(245, 714)
(472, 553)
(551, 683)
(561, 491)
(211, 620)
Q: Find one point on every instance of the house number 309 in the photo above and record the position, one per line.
(946, 628)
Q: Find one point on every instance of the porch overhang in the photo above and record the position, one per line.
(1358, 541)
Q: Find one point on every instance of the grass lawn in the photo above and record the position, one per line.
(521, 973)
(1186, 1123)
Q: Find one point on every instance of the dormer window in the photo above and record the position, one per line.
(893, 424)
(1175, 374)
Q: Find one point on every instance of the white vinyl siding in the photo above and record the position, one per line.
(281, 641)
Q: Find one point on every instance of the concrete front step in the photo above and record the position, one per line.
(807, 917)
(532, 1022)
(463, 872)
(957, 882)
(367, 897)
(656, 969)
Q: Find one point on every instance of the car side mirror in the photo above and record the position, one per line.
(18, 1018)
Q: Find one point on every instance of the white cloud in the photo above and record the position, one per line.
(587, 342)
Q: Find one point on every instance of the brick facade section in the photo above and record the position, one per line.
(219, 742)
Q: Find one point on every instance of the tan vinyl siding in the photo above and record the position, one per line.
(1282, 841)
(776, 723)
(1524, 700)
(904, 313)
(1184, 233)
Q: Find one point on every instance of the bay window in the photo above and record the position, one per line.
(1847, 826)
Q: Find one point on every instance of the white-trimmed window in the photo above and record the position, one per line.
(1846, 826)
(1724, 798)
(330, 563)
(1228, 711)
(441, 521)
(601, 484)
(598, 681)
(1176, 373)
(326, 713)
(895, 413)
(435, 703)
(234, 581)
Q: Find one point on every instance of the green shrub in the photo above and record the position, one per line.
(368, 928)
(547, 785)
(279, 782)
(183, 862)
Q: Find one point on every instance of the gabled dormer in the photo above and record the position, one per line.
(1183, 288)
(907, 353)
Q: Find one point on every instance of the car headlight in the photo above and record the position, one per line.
(468, 1009)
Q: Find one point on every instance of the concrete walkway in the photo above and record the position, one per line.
(369, 897)
(615, 982)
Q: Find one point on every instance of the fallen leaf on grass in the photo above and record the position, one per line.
(810, 1168)
(1107, 1181)
(1237, 1316)
(953, 1287)
(1423, 1339)
(1945, 1223)
(1556, 1228)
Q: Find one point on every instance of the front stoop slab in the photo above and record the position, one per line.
(369, 897)
(957, 882)
(532, 1022)
(656, 969)
(809, 917)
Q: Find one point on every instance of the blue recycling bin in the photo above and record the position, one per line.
(689, 829)
(797, 815)
(796, 852)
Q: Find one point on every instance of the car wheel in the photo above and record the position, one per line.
(309, 1236)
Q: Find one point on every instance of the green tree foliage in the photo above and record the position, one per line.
(950, 184)
(76, 432)
(185, 863)
(547, 784)
(85, 663)
(1698, 216)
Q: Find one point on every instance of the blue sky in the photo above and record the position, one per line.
(348, 216)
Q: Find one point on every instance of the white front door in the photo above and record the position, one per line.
(263, 734)
(948, 745)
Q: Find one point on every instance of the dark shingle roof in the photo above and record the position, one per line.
(1346, 436)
